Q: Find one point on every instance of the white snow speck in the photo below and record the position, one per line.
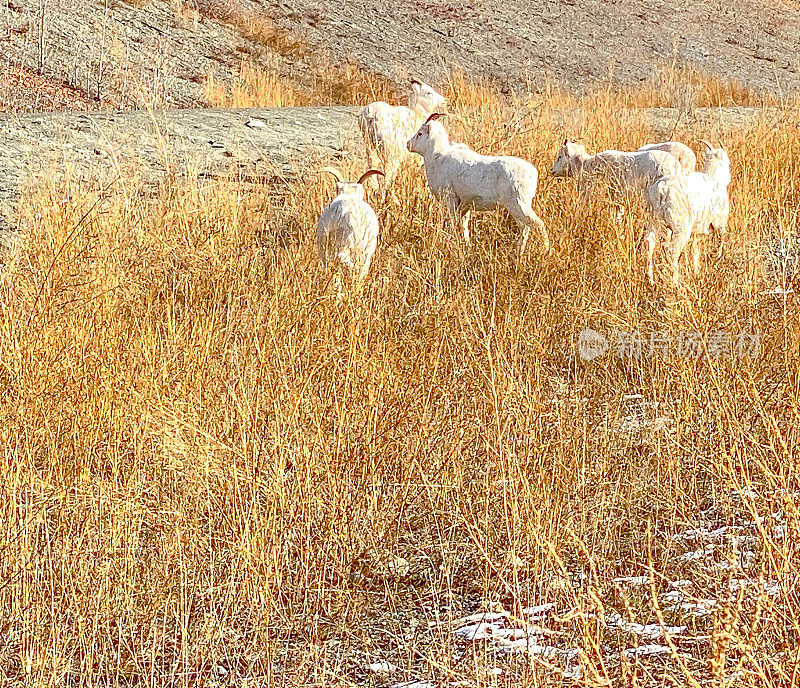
(382, 668)
(478, 631)
(539, 611)
(646, 651)
(487, 617)
(652, 630)
(682, 583)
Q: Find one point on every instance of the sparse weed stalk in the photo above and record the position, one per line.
(208, 464)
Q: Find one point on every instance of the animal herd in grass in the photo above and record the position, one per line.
(682, 202)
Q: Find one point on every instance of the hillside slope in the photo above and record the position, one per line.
(572, 43)
(158, 52)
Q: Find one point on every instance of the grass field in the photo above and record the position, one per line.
(214, 473)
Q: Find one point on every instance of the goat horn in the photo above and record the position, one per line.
(414, 80)
(434, 115)
(369, 173)
(707, 144)
(334, 172)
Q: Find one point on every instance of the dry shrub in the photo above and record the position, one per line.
(257, 27)
(255, 86)
(252, 87)
(325, 82)
(22, 90)
(206, 458)
(350, 84)
(685, 87)
(218, 10)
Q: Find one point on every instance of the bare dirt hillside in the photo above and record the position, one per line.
(134, 53)
(518, 42)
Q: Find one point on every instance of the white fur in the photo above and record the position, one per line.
(687, 204)
(465, 180)
(386, 128)
(636, 170)
(347, 232)
(685, 155)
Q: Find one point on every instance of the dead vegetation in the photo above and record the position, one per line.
(215, 474)
(159, 53)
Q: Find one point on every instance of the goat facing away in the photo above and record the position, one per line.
(347, 230)
(688, 205)
(465, 180)
(386, 128)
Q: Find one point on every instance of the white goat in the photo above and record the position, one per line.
(465, 180)
(386, 128)
(637, 170)
(347, 230)
(687, 204)
(685, 155)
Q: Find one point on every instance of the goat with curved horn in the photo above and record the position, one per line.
(347, 231)
(333, 171)
(464, 180)
(368, 174)
(434, 116)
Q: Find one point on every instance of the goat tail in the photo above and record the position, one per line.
(658, 196)
(367, 123)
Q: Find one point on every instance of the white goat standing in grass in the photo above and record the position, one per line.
(685, 155)
(386, 128)
(347, 230)
(638, 169)
(687, 204)
(465, 180)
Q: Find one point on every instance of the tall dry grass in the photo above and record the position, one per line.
(254, 86)
(210, 466)
(682, 86)
(290, 71)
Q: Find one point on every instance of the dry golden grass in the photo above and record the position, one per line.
(674, 86)
(323, 83)
(686, 86)
(252, 87)
(207, 460)
(255, 86)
